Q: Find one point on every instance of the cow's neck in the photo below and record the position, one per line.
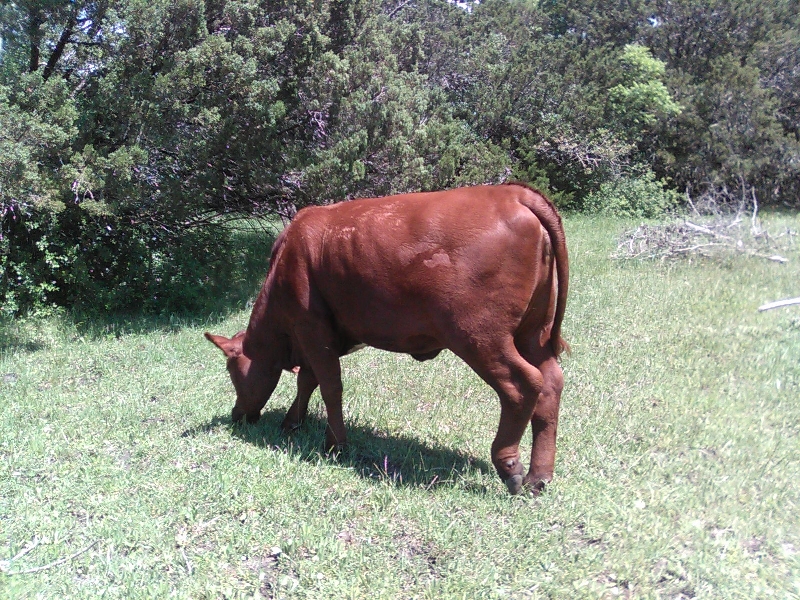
(261, 340)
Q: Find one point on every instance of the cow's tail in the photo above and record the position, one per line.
(541, 206)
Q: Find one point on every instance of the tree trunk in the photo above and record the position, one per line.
(35, 37)
(59, 49)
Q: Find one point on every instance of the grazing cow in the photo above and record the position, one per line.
(481, 271)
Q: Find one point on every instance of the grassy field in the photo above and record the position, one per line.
(678, 473)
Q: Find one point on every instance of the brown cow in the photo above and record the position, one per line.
(481, 271)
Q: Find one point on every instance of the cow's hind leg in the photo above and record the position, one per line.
(306, 384)
(518, 384)
(544, 425)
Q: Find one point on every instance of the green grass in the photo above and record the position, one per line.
(678, 473)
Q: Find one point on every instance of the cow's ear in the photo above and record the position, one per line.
(231, 348)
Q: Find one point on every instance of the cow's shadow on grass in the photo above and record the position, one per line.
(398, 460)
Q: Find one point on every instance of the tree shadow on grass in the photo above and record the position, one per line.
(12, 340)
(399, 460)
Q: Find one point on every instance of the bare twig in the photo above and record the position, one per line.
(694, 248)
(398, 8)
(735, 222)
(774, 257)
(689, 201)
(779, 304)
(754, 227)
(55, 563)
(188, 564)
(432, 483)
(705, 230)
(5, 565)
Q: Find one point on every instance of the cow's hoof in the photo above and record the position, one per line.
(290, 426)
(536, 484)
(514, 484)
(237, 415)
(335, 451)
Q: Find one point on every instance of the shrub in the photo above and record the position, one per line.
(640, 195)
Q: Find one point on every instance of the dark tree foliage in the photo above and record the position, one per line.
(131, 131)
(731, 64)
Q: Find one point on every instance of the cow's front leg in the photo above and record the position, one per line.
(317, 342)
(306, 384)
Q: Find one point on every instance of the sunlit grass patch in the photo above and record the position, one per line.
(676, 473)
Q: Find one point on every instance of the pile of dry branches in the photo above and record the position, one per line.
(708, 231)
(710, 237)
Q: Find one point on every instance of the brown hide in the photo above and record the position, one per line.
(481, 271)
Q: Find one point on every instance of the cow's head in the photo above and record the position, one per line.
(254, 380)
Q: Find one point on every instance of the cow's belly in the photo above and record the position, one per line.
(386, 328)
(415, 345)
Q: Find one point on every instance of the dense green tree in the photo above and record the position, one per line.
(178, 113)
(569, 113)
(38, 125)
(733, 66)
(130, 130)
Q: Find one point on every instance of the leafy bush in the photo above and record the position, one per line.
(640, 195)
(64, 259)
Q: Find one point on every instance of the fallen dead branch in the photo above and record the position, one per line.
(779, 304)
(5, 565)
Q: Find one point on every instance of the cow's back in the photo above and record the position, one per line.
(418, 272)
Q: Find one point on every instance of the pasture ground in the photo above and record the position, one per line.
(678, 472)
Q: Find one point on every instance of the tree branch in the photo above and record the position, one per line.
(35, 37)
(398, 8)
(59, 49)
